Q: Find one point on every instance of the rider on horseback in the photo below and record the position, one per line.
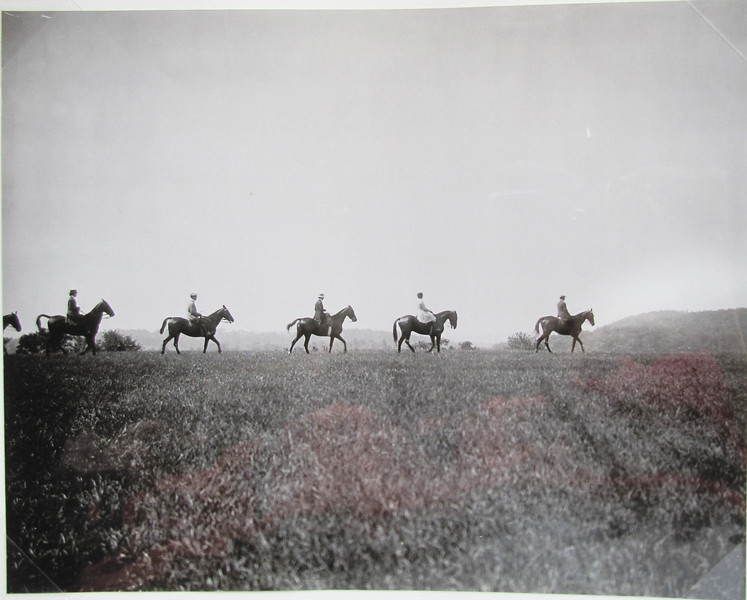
(321, 316)
(424, 315)
(73, 312)
(563, 313)
(195, 317)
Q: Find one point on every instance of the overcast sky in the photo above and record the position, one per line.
(492, 158)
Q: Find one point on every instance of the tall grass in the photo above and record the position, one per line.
(371, 470)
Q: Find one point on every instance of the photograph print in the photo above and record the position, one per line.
(395, 298)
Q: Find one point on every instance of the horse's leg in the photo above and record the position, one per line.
(213, 338)
(293, 343)
(166, 341)
(90, 345)
(344, 344)
(207, 341)
(407, 341)
(544, 337)
(331, 341)
(176, 343)
(306, 343)
(580, 343)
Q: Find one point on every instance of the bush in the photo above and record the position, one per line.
(32, 343)
(521, 341)
(113, 341)
(36, 343)
(426, 344)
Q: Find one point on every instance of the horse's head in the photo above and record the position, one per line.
(453, 319)
(14, 321)
(103, 307)
(226, 314)
(351, 313)
(590, 316)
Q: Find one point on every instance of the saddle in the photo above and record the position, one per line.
(325, 323)
(203, 324)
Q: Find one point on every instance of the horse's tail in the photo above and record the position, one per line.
(163, 325)
(537, 325)
(394, 329)
(38, 321)
(288, 327)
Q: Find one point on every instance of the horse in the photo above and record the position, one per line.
(87, 326)
(180, 325)
(332, 328)
(13, 321)
(410, 324)
(570, 327)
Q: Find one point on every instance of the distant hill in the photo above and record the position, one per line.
(716, 331)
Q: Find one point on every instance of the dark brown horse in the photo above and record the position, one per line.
(332, 328)
(180, 325)
(87, 326)
(13, 321)
(570, 327)
(410, 324)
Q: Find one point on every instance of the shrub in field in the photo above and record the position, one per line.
(114, 341)
(520, 341)
(32, 343)
(36, 343)
(426, 344)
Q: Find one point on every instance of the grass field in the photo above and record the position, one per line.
(467, 470)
